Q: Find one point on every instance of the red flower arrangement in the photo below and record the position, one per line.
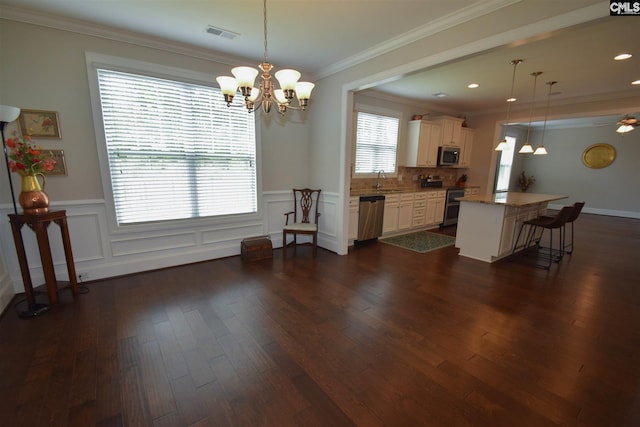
(28, 159)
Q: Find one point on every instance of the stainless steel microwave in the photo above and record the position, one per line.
(448, 156)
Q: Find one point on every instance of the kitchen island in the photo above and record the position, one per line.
(489, 225)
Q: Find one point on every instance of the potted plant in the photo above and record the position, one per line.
(525, 181)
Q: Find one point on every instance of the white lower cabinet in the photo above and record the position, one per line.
(435, 206)
(472, 191)
(390, 221)
(513, 219)
(398, 213)
(354, 209)
(405, 211)
(419, 209)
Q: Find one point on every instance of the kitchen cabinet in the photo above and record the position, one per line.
(423, 139)
(510, 226)
(435, 207)
(471, 191)
(466, 146)
(450, 129)
(354, 204)
(405, 211)
(513, 219)
(390, 221)
(488, 225)
(419, 209)
(398, 213)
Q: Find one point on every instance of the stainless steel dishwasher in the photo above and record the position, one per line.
(371, 214)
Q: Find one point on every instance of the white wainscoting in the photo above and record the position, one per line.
(100, 253)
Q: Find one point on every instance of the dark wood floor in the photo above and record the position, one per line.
(382, 336)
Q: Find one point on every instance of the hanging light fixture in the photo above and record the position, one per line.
(502, 145)
(626, 124)
(266, 94)
(527, 148)
(541, 150)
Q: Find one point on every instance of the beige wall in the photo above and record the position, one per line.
(44, 68)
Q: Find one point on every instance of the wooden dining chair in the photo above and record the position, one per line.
(303, 219)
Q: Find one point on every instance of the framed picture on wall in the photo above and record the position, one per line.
(39, 124)
(60, 169)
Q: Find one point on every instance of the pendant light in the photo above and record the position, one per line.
(626, 124)
(502, 145)
(541, 150)
(527, 148)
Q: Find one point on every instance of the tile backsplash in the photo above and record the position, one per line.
(408, 179)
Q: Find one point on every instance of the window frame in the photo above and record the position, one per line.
(362, 108)
(95, 61)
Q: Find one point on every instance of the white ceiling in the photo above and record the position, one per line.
(317, 36)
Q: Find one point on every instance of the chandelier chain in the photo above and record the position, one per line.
(266, 55)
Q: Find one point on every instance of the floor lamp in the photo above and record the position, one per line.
(7, 115)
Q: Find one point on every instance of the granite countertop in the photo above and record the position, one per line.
(367, 192)
(512, 198)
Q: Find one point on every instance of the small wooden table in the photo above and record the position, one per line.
(39, 224)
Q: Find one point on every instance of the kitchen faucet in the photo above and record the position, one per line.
(378, 184)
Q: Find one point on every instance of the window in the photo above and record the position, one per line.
(376, 143)
(504, 167)
(175, 150)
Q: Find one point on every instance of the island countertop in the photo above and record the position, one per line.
(511, 198)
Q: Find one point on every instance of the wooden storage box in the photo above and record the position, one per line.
(256, 248)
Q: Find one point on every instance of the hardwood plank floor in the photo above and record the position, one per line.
(383, 336)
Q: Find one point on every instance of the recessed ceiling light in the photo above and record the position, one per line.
(511, 99)
(440, 95)
(473, 85)
(622, 56)
(635, 82)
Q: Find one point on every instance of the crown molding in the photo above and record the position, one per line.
(430, 28)
(96, 30)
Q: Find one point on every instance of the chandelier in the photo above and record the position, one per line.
(266, 95)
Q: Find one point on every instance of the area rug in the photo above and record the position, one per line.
(421, 241)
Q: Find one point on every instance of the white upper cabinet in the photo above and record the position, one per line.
(450, 130)
(466, 147)
(423, 139)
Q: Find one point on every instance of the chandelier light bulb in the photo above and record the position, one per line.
(255, 93)
(228, 85)
(280, 98)
(287, 79)
(303, 90)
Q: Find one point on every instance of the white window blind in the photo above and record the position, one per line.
(376, 143)
(504, 167)
(175, 149)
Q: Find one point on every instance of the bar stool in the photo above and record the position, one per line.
(547, 223)
(568, 248)
(578, 208)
